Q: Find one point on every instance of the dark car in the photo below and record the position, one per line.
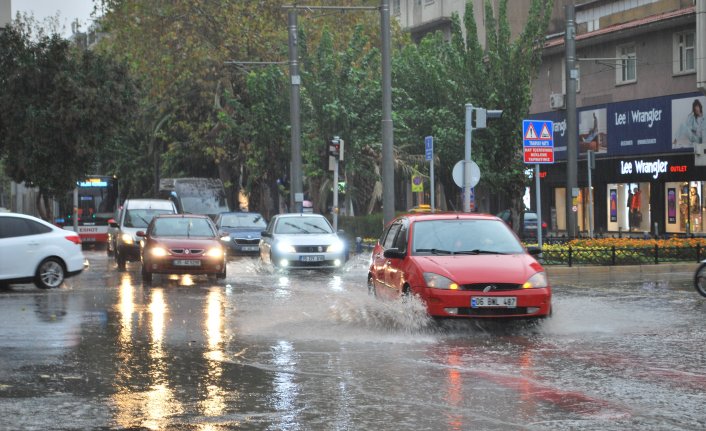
(182, 244)
(243, 231)
(529, 223)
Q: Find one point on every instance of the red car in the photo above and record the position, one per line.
(460, 265)
(182, 244)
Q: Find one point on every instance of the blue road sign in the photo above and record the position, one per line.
(538, 141)
(429, 148)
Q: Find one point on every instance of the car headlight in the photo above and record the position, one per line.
(336, 247)
(158, 251)
(536, 281)
(126, 238)
(225, 238)
(285, 247)
(437, 281)
(216, 252)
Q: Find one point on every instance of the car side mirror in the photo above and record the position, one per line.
(534, 250)
(141, 233)
(394, 253)
(264, 233)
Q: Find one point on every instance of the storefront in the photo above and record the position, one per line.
(645, 178)
(644, 194)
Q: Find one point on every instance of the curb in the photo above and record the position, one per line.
(684, 269)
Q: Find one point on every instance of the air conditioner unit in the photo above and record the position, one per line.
(556, 101)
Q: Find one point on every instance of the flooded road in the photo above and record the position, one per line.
(312, 351)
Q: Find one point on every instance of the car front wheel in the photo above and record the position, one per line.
(50, 274)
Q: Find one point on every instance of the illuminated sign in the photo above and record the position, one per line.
(93, 182)
(653, 168)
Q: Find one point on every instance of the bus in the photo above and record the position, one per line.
(205, 196)
(97, 203)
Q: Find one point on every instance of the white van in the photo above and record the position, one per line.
(133, 216)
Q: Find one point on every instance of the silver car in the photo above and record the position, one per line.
(302, 241)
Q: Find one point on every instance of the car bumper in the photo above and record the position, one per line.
(308, 260)
(448, 303)
(235, 248)
(172, 265)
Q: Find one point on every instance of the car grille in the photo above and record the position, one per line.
(243, 241)
(299, 264)
(492, 311)
(189, 251)
(310, 248)
(480, 287)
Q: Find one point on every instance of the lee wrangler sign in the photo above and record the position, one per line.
(652, 168)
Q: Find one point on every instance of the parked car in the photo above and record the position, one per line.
(243, 231)
(529, 223)
(460, 265)
(134, 215)
(182, 244)
(302, 241)
(32, 250)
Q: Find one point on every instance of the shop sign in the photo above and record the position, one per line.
(657, 125)
(642, 167)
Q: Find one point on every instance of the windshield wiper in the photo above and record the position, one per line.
(316, 227)
(432, 251)
(296, 226)
(478, 251)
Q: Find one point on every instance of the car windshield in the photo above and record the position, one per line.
(303, 225)
(448, 237)
(182, 227)
(242, 220)
(140, 218)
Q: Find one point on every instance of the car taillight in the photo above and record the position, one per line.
(74, 238)
(544, 225)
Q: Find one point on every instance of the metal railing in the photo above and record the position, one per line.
(577, 255)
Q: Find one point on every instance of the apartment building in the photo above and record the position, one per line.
(640, 97)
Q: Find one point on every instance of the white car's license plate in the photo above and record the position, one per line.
(315, 258)
(187, 262)
(250, 248)
(494, 301)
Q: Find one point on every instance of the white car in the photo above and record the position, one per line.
(32, 250)
(302, 241)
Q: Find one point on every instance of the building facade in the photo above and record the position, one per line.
(641, 67)
(641, 112)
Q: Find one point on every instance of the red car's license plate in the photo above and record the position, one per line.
(494, 301)
(187, 262)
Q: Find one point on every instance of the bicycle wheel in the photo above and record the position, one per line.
(700, 280)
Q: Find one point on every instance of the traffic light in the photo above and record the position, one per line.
(334, 147)
(483, 114)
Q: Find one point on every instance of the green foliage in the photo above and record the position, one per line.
(59, 108)
(435, 79)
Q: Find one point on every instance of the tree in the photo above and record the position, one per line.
(435, 79)
(59, 107)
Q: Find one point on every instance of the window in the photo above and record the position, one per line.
(391, 235)
(395, 7)
(626, 70)
(11, 227)
(684, 52)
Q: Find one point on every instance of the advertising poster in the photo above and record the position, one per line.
(672, 206)
(688, 125)
(593, 128)
(613, 205)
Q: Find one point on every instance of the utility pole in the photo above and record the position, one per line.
(388, 163)
(571, 126)
(296, 198)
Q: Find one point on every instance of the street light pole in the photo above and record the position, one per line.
(571, 126)
(295, 181)
(388, 165)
